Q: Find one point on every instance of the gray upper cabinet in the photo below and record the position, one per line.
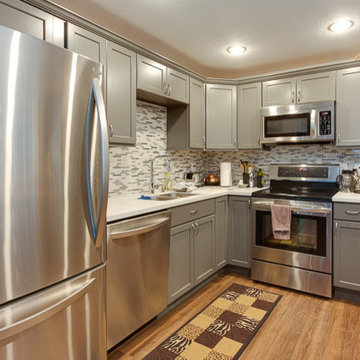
(156, 78)
(151, 76)
(315, 87)
(197, 114)
(302, 89)
(121, 93)
(221, 232)
(240, 231)
(32, 21)
(221, 117)
(86, 43)
(177, 85)
(248, 109)
(279, 92)
(348, 107)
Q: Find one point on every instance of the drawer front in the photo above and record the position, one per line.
(186, 213)
(347, 211)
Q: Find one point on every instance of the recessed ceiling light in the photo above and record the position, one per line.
(341, 25)
(236, 50)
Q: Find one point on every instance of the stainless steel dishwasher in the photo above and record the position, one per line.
(137, 273)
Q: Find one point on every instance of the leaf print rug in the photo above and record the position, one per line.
(222, 330)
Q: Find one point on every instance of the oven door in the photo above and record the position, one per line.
(309, 246)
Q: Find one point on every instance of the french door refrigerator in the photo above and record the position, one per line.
(53, 198)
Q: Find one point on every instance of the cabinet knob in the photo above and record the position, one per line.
(336, 229)
(193, 212)
(350, 212)
(299, 96)
(203, 140)
(293, 97)
(169, 90)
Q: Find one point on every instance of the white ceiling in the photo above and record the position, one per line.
(277, 33)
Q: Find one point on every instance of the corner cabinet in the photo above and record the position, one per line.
(248, 110)
(29, 20)
(197, 114)
(157, 79)
(221, 117)
(348, 107)
(302, 89)
(240, 231)
(121, 93)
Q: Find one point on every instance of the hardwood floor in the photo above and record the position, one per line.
(301, 327)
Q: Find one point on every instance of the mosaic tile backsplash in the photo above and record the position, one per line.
(130, 165)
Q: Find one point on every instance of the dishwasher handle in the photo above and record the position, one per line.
(116, 235)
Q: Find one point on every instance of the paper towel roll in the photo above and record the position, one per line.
(225, 174)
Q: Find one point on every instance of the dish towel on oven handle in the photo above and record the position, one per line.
(281, 221)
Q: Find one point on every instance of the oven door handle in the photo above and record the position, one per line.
(321, 213)
(295, 210)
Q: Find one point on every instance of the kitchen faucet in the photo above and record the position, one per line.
(152, 169)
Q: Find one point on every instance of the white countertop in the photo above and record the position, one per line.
(122, 207)
(346, 197)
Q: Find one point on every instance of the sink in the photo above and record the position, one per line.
(170, 196)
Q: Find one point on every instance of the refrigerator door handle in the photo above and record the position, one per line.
(98, 227)
(33, 319)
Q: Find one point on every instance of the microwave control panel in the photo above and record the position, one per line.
(324, 123)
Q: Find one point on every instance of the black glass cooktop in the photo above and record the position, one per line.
(309, 191)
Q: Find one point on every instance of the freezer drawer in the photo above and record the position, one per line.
(137, 273)
(62, 322)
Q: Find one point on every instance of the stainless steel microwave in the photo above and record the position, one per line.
(298, 123)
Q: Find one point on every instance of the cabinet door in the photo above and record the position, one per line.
(177, 85)
(88, 44)
(221, 232)
(346, 255)
(220, 117)
(197, 114)
(348, 107)
(204, 248)
(249, 123)
(121, 93)
(240, 232)
(25, 18)
(151, 76)
(316, 87)
(180, 261)
(279, 92)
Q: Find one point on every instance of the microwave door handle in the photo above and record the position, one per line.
(96, 97)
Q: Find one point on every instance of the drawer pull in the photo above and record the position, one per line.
(350, 212)
(193, 212)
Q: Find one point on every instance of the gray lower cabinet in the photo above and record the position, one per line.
(347, 246)
(192, 253)
(181, 268)
(25, 18)
(221, 119)
(204, 248)
(121, 93)
(248, 109)
(240, 231)
(221, 232)
(346, 255)
(348, 107)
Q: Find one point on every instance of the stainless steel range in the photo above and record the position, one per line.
(303, 260)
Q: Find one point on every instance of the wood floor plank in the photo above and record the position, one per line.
(300, 327)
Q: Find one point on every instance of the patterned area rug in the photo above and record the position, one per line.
(222, 330)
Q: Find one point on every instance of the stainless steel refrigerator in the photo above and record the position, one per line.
(53, 198)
